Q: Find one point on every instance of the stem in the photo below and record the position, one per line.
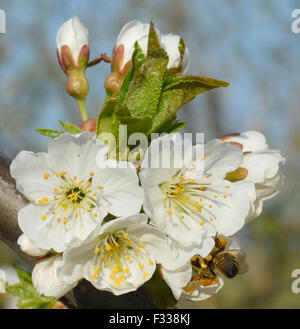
(82, 109)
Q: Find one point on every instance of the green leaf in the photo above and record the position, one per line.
(29, 298)
(70, 127)
(138, 58)
(49, 132)
(159, 292)
(170, 102)
(23, 276)
(193, 81)
(107, 121)
(141, 124)
(176, 127)
(146, 86)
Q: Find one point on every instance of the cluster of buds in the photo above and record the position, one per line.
(73, 56)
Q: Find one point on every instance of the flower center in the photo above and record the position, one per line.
(70, 197)
(118, 252)
(190, 197)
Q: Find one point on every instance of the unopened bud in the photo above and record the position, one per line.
(89, 125)
(115, 79)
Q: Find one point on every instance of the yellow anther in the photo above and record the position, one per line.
(58, 219)
(106, 262)
(175, 207)
(95, 276)
(108, 247)
(117, 245)
(125, 251)
(57, 175)
(96, 271)
(211, 219)
(89, 183)
(192, 181)
(192, 212)
(91, 174)
(44, 217)
(209, 258)
(215, 196)
(203, 157)
(145, 274)
(210, 206)
(55, 189)
(63, 173)
(225, 196)
(53, 212)
(142, 245)
(194, 258)
(100, 187)
(112, 276)
(115, 269)
(97, 250)
(126, 235)
(169, 212)
(54, 197)
(46, 176)
(202, 223)
(89, 210)
(126, 270)
(75, 177)
(182, 217)
(95, 215)
(141, 266)
(150, 261)
(201, 199)
(138, 249)
(128, 257)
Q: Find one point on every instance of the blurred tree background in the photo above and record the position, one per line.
(247, 43)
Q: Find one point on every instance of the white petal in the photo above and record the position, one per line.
(29, 247)
(130, 33)
(121, 194)
(177, 279)
(262, 165)
(252, 141)
(49, 233)
(45, 280)
(73, 34)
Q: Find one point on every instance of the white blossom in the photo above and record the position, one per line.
(194, 202)
(69, 193)
(136, 31)
(262, 164)
(119, 256)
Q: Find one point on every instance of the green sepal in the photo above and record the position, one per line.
(49, 132)
(159, 292)
(70, 127)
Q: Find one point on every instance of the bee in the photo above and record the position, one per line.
(228, 262)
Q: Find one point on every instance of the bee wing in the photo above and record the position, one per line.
(241, 259)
